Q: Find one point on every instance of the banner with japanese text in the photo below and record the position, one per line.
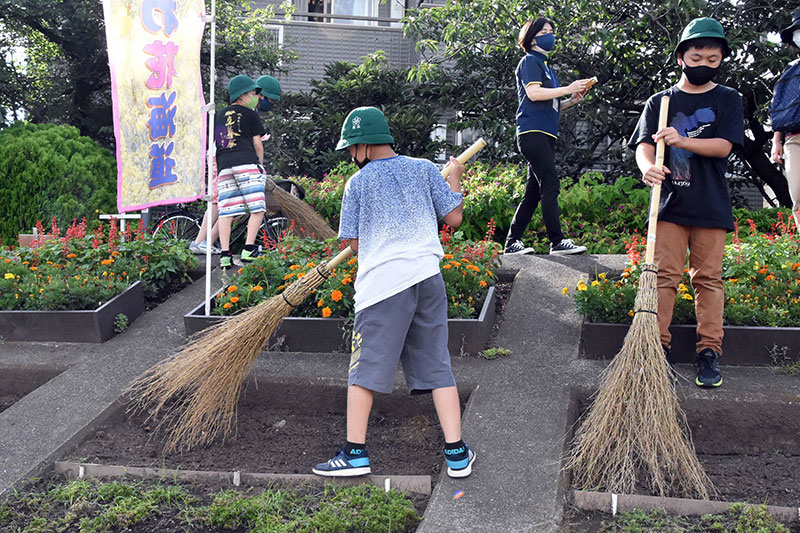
(159, 124)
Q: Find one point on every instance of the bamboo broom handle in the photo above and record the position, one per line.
(465, 156)
(655, 193)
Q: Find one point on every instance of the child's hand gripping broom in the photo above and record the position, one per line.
(196, 391)
(635, 430)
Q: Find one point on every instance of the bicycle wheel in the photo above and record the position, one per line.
(177, 226)
(272, 230)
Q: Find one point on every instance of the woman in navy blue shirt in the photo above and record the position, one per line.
(537, 130)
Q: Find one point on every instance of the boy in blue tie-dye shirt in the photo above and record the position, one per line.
(390, 213)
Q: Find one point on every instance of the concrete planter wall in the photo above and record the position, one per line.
(742, 345)
(73, 326)
(297, 334)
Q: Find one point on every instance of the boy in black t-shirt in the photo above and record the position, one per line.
(241, 178)
(705, 123)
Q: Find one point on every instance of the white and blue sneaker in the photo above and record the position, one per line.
(345, 465)
(459, 461)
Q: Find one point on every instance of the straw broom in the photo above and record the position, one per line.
(304, 216)
(195, 392)
(635, 430)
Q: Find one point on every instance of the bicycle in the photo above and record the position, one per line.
(181, 222)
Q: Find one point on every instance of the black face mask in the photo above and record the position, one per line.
(700, 75)
(361, 164)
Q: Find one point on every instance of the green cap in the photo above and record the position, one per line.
(270, 87)
(365, 125)
(239, 85)
(704, 27)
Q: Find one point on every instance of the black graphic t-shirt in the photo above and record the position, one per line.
(697, 188)
(234, 129)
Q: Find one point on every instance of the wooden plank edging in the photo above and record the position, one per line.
(607, 502)
(416, 484)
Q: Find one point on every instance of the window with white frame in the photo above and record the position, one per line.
(397, 11)
(360, 8)
(439, 133)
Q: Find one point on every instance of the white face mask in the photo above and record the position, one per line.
(796, 38)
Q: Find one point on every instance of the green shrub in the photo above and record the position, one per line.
(51, 171)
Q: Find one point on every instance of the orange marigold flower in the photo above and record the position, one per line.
(311, 265)
(257, 288)
(33, 269)
(448, 256)
(336, 295)
(448, 266)
(483, 283)
(352, 261)
(300, 275)
(227, 305)
(733, 280)
(326, 312)
(320, 303)
(240, 270)
(288, 276)
(235, 299)
(232, 288)
(281, 287)
(490, 273)
(294, 267)
(770, 277)
(106, 261)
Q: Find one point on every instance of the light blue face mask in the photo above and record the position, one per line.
(546, 42)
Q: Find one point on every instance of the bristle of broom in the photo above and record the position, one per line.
(635, 431)
(303, 214)
(194, 394)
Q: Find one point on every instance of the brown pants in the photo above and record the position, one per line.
(706, 247)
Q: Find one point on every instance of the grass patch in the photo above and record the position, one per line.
(494, 353)
(783, 361)
(738, 519)
(92, 506)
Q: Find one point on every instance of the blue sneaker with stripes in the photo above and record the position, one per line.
(459, 461)
(345, 465)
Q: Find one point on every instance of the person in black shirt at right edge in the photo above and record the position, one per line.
(705, 124)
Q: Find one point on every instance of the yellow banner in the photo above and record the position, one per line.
(159, 124)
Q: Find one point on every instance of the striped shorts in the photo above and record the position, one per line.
(240, 189)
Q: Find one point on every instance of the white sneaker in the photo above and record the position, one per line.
(200, 248)
(566, 247)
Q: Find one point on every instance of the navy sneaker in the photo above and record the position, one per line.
(516, 247)
(708, 374)
(459, 462)
(345, 465)
(566, 247)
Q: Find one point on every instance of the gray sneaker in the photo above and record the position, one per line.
(517, 248)
(566, 247)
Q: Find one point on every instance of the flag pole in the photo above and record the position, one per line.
(212, 18)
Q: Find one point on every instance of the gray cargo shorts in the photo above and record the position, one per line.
(411, 327)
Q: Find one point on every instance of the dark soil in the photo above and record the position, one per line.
(7, 400)
(502, 292)
(751, 451)
(288, 429)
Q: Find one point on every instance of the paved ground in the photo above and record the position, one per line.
(516, 419)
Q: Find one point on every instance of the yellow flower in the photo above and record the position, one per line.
(336, 295)
(602, 275)
(235, 299)
(227, 305)
(564, 290)
(9, 275)
(682, 287)
(687, 296)
(595, 283)
(630, 313)
(326, 312)
(582, 285)
(232, 288)
(257, 288)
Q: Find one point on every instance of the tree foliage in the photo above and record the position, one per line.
(469, 52)
(52, 171)
(63, 74)
(305, 127)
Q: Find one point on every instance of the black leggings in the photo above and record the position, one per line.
(543, 185)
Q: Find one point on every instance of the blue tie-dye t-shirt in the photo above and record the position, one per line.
(392, 207)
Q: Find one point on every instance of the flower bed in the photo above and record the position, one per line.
(761, 278)
(468, 269)
(87, 275)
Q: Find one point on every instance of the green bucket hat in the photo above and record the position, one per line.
(704, 27)
(270, 87)
(239, 85)
(365, 125)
